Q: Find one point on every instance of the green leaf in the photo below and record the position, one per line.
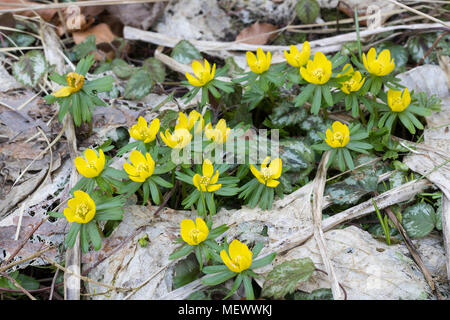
(236, 285)
(30, 68)
(156, 69)
(71, 236)
(162, 182)
(215, 269)
(317, 101)
(419, 219)
(285, 114)
(122, 69)
(138, 86)
(283, 279)
(154, 192)
(318, 294)
(218, 278)
(84, 238)
(307, 11)
(76, 109)
(248, 287)
(183, 251)
(326, 92)
(263, 261)
(94, 235)
(184, 52)
(84, 48)
(304, 95)
(186, 271)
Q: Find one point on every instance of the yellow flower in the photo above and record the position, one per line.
(206, 182)
(141, 131)
(398, 101)
(81, 208)
(92, 165)
(194, 119)
(194, 233)
(141, 167)
(75, 82)
(339, 136)
(354, 83)
(179, 139)
(240, 257)
(203, 74)
(268, 174)
(220, 133)
(380, 66)
(298, 59)
(317, 71)
(259, 63)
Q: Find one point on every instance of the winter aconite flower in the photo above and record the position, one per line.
(194, 120)
(141, 166)
(268, 174)
(91, 165)
(220, 133)
(318, 70)
(194, 233)
(141, 131)
(203, 74)
(259, 63)
(354, 83)
(298, 58)
(81, 208)
(207, 181)
(397, 100)
(239, 257)
(381, 66)
(75, 82)
(339, 136)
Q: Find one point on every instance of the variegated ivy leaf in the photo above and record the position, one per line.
(30, 68)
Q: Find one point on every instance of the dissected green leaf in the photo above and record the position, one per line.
(283, 279)
(84, 48)
(30, 68)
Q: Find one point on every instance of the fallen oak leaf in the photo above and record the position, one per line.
(257, 33)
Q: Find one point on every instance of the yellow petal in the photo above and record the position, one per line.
(227, 261)
(129, 169)
(276, 167)
(213, 187)
(272, 183)
(186, 226)
(255, 172)
(196, 181)
(197, 68)
(406, 98)
(63, 92)
(90, 155)
(201, 225)
(207, 168)
(193, 81)
(214, 178)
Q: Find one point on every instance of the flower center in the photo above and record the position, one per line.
(204, 181)
(92, 164)
(82, 210)
(143, 166)
(144, 133)
(318, 74)
(338, 136)
(266, 173)
(194, 234)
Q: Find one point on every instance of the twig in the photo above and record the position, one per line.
(83, 277)
(34, 255)
(7, 276)
(412, 249)
(52, 287)
(318, 189)
(24, 241)
(420, 13)
(435, 43)
(146, 281)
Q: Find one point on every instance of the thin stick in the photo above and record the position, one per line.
(318, 190)
(412, 249)
(52, 288)
(34, 255)
(146, 281)
(7, 276)
(420, 13)
(56, 264)
(435, 43)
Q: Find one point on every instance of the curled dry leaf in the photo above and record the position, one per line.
(257, 33)
(103, 34)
